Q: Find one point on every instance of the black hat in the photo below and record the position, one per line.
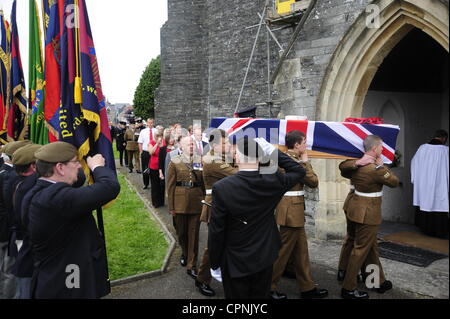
(248, 112)
(123, 123)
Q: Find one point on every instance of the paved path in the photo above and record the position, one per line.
(409, 281)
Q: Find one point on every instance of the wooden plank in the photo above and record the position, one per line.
(316, 154)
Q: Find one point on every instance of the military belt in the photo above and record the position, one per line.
(377, 194)
(189, 184)
(294, 193)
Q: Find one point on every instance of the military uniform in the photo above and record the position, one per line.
(364, 217)
(132, 148)
(346, 168)
(185, 190)
(290, 215)
(214, 169)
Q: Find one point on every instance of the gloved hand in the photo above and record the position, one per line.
(217, 274)
(266, 146)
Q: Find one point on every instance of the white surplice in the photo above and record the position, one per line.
(429, 174)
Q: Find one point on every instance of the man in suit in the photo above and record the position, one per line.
(70, 260)
(199, 145)
(8, 282)
(217, 164)
(185, 190)
(364, 216)
(24, 165)
(121, 143)
(243, 238)
(290, 215)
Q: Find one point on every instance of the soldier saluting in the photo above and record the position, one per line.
(364, 215)
(290, 215)
(216, 165)
(185, 192)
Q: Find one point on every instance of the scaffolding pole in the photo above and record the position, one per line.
(293, 39)
(251, 56)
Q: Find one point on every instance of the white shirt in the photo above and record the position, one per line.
(144, 138)
(429, 174)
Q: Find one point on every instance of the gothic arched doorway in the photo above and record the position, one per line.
(351, 72)
(410, 89)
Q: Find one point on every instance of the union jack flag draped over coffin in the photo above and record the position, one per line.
(338, 138)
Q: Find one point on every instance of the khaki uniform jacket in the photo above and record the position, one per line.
(184, 200)
(131, 138)
(290, 211)
(214, 169)
(368, 179)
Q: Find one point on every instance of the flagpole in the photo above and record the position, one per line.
(79, 100)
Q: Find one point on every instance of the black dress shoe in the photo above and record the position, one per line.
(145, 187)
(138, 172)
(385, 286)
(277, 295)
(183, 261)
(205, 289)
(315, 294)
(192, 272)
(354, 294)
(130, 171)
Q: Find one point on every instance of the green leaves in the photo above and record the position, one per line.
(144, 96)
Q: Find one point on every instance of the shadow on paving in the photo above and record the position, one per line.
(176, 284)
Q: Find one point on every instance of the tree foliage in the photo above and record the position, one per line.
(144, 96)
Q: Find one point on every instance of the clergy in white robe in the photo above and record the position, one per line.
(430, 176)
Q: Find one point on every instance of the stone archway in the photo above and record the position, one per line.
(348, 77)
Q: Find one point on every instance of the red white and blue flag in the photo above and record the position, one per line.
(338, 138)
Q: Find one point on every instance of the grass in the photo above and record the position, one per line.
(135, 243)
(116, 152)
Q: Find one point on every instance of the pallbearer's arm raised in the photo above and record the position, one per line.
(310, 178)
(347, 168)
(384, 175)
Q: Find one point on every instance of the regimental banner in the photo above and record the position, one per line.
(17, 125)
(82, 117)
(38, 126)
(341, 139)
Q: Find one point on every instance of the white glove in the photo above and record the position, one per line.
(266, 146)
(217, 274)
(19, 244)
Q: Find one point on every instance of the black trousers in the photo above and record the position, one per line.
(145, 160)
(254, 286)
(123, 156)
(157, 189)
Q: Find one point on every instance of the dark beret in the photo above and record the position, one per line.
(11, 147)
(25, 155)
(58, 152)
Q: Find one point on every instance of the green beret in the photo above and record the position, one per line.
(25, 155)
(11, 147)
(58, 152)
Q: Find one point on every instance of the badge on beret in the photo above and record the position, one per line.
(387, 175)
(224, 166)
